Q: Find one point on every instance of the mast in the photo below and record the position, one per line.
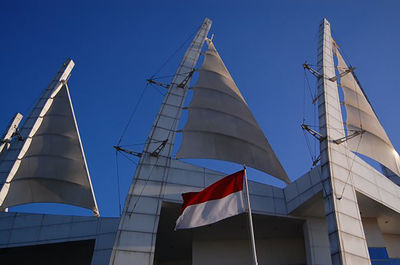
(10, 132)
(346, 235)
(136, 235)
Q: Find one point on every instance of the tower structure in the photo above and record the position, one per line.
(346, 234)
(136, 236)
(356, 221)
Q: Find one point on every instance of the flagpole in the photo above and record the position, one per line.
(253, 242)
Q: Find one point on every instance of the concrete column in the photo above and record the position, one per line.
(316, 241)
(345, 230)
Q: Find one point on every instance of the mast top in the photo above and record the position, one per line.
(207, 20)
(325, 21)
(69, 62)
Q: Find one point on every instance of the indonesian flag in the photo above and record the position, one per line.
(218, 201)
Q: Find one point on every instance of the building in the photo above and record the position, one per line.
(343, 211)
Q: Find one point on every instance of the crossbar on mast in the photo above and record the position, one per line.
(350, 70)
(119, 148)
(151, 81)
(348, 137)
(313, 132)
(168, 115)
(312, 71)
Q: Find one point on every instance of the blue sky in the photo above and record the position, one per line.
(117, 45)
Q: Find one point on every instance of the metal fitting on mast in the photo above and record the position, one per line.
(312, 71)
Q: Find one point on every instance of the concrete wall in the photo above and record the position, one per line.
(392, 243)
(376, 239)
(232, 252)
(317, 241)
(177, 262)
(372, 233)
(23, 229)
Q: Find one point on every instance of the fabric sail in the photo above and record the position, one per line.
(50, 166)
(220, 125)
(373, 142)
(218, 201)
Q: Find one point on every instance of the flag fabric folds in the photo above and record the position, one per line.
(218, 201)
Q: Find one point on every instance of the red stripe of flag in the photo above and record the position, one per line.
(220, 189)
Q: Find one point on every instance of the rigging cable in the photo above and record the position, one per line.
(346, 131)
(133, 113)
(143, 186)
(350, 165)
(175, 52)
(119, 141)
(350, 168)
(171, 75)
(131, 160)
(152, 77)
(306, 83)
(139, 144)
(173, 125)
(304, 116)
(158, 90)
(313, 157)
(118, 183)
(148, 141)
(304, 97)
(313, 95)
(172, 130)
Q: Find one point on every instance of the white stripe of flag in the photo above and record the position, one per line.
(218, 201)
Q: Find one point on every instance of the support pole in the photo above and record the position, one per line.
(252, 239)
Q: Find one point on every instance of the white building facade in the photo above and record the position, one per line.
(337, 213)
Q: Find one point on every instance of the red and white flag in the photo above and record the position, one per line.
(218, 201)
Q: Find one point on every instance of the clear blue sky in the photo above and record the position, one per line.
(117, 46)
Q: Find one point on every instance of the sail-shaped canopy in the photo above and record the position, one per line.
(49, 165)
(373, 140)
(220, 125)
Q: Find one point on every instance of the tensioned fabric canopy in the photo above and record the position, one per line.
(49, 165)
(373, 141)
(220, 124)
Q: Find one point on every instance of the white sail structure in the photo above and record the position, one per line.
(220, 125)
(372, 140)
(49, 164)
